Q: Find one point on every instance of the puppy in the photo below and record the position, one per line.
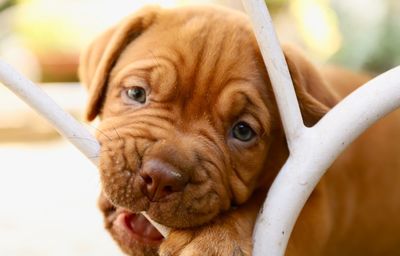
(190, 133)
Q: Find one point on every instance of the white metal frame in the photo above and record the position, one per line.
(312, 150)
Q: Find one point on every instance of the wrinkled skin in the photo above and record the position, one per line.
(201, 75)
(197, 90)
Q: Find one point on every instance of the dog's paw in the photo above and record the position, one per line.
(207, 241)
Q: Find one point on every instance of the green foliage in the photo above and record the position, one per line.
(387, 54)
(5, 4)
(276, 5)
(370, 42)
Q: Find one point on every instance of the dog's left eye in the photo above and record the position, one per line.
(242, 131)
(137, 94)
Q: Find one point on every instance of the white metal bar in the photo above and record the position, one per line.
(277, 69)
(360, 110)
(312, 150)
(63, 122)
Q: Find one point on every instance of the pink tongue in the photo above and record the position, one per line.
(141, 226)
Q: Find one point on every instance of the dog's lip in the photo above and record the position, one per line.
(134, 226)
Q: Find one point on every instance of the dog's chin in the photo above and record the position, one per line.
(179, 219)
(133, 232)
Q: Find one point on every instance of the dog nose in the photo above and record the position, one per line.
(161, 179)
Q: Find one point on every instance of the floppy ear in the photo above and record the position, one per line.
(313, 92)
(97, 61)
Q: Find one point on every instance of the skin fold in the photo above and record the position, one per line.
(190, 133)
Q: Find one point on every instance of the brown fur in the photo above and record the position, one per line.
(204, 73)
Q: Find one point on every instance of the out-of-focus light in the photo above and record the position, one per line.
(69, 24)
(14, 52)
(318, 26)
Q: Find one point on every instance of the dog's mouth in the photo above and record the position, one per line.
(137, 227)
(132, 229)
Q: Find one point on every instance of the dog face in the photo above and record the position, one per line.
(189, 125)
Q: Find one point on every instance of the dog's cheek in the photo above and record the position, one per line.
(116, 179)
(215, 184)
(216, 199)
(240, 190)
(248, 168)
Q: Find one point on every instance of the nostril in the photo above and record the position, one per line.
(168, 189)
(148, 180)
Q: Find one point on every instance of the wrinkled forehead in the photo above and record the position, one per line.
(192, 58)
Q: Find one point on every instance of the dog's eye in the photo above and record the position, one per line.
(137, 94)
(242, 131)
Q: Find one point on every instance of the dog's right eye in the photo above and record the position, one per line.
(137, 94)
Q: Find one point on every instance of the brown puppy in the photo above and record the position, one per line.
(190, 133)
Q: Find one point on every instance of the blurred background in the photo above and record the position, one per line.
(48, 190)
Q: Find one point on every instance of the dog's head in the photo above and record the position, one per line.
(189, 125)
